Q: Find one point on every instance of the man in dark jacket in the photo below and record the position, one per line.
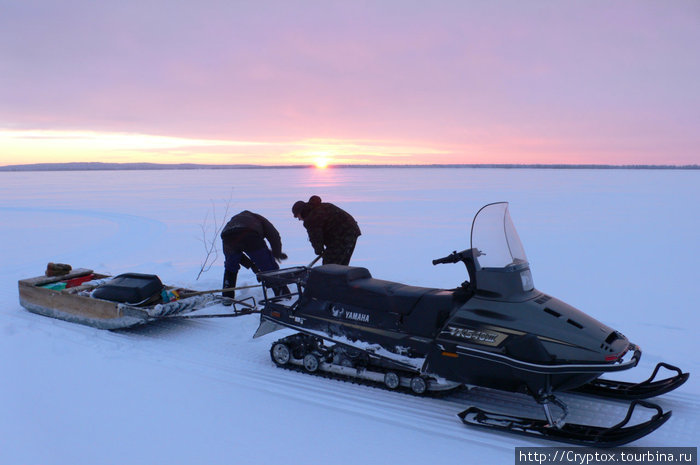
(333, 232)
(243, 240)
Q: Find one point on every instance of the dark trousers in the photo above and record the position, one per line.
(247, 247)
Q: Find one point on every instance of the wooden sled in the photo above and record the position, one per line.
(68, 297)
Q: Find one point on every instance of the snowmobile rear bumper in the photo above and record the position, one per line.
(267, 327)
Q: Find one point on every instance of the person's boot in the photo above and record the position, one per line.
(230, 278)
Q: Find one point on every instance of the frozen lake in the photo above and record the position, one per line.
(620, 245)
(638, 225)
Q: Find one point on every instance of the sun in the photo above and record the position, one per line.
(321, 162)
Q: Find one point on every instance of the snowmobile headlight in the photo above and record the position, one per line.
(526, 280)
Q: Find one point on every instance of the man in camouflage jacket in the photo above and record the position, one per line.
(333, 232)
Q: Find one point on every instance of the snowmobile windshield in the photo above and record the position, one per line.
(494, 235)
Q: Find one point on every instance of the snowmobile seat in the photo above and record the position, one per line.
(387, 296)
(355, 286)
(334, 277)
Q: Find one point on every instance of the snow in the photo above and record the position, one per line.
(620, 245)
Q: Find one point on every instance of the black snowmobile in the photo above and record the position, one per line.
(495, 330)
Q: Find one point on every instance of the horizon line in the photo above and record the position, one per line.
(134, 166)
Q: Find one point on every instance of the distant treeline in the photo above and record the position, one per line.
(191, 166)
(98, 166)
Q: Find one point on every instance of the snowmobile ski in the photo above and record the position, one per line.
(585, 435)
(630, 391)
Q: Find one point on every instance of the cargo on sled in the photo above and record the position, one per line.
(105, 302)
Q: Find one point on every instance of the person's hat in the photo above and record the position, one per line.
(298, 207)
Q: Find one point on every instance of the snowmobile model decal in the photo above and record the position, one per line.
(485, 337)
(339, 312)
(506, 332)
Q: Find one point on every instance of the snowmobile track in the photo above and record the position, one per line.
(365, 382)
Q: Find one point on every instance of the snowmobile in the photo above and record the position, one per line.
(495, 330)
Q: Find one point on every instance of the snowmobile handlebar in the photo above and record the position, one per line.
(463, 256)
(454, 257)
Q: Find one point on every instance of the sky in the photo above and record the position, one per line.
(343, 82)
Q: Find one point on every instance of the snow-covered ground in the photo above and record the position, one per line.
(619, 244)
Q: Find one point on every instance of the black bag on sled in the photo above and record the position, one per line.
(130, 288)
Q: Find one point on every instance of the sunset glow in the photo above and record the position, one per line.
(86, 146)
(321, 163)
(483, 83)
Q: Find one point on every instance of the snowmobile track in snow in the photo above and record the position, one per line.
(223, 349)
(227, 352)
